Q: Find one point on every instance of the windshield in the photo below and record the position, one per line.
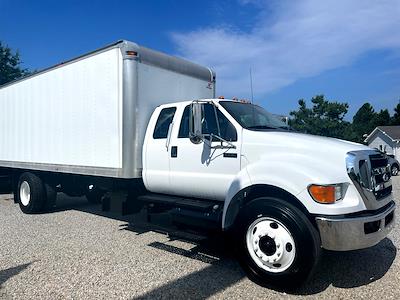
(252, 116)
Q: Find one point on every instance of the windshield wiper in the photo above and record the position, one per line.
(286, 128)
(261, 127)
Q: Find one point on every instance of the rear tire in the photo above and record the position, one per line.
(278, 245)
(30, 193)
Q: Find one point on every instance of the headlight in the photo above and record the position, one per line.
(326, 194)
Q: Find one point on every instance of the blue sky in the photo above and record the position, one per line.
(347, 50)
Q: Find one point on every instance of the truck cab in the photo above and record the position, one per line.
(281, 194)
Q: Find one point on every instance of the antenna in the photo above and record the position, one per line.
(251, 85)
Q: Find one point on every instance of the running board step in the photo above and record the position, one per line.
(185, 203)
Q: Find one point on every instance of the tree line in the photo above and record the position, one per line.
(327, 118)
(324, 117)
(10, 65)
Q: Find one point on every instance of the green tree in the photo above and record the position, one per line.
(10, 65)
(382, 118)
(324, 118)
(364, 121)
(396, 117)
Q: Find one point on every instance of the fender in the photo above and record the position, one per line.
(283, 178)
(260, 174)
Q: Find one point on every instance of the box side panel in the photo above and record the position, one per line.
(70, 116)
(158, 86)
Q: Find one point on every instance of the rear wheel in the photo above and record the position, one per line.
(30, 193)
(277, 243)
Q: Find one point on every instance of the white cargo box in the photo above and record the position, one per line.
(89, 115)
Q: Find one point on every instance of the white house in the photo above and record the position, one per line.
(385, 138)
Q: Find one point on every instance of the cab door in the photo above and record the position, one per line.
(157, 152)
(205, 169)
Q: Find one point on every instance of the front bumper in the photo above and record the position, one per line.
(356, 232)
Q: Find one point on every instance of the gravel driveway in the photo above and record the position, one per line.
(79, 252)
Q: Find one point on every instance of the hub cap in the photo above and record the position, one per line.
(270, 245)
(25, 193)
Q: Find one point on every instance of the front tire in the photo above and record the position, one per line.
(278, 245)
(30, 193)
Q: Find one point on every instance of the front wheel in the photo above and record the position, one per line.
(277, 243)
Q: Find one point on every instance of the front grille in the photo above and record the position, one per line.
(378, 161)
(380, 176)
(370, 173)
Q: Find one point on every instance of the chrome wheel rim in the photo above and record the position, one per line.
(270, 245)
(25, 193)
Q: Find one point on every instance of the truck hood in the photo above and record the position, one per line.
(297, 151)
(300, 143)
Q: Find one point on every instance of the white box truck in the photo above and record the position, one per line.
(128, 121)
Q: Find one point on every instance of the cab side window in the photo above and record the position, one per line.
(228, 131)
(184, 128)
(164, 120)
(209, 124)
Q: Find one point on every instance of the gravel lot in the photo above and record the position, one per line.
(78, 252)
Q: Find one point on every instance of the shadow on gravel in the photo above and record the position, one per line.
(339, 269)
(223, 271)
(351, 269)
(199, 285)
(11, 272)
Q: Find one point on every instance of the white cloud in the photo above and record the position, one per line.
(292, 40)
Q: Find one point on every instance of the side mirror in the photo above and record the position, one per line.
(195, 127)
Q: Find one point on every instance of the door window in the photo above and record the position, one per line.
(184, 128)
(164, 120)
(209, 123)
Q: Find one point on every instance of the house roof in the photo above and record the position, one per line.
(393, 132)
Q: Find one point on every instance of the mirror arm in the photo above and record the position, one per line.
(230, 145)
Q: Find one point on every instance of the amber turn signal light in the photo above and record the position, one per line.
(325, 194)
(131, 53)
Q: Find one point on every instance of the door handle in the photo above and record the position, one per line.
(174, 151)
(232, 155)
